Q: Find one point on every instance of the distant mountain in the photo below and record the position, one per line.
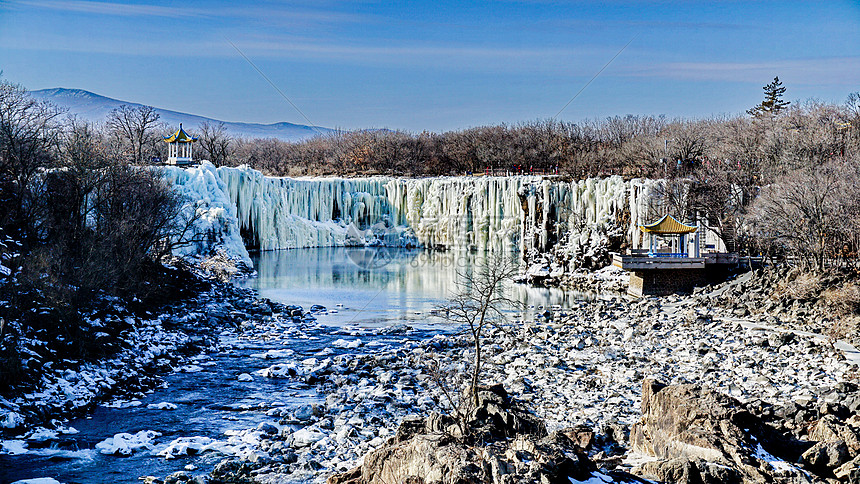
(95, 108)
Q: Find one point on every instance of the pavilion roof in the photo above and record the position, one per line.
(668, 225)
(180, 136)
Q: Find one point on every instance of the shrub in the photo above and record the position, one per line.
(845, 300)
(799, 285)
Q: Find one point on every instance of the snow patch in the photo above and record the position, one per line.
(162, 406)
(125, 444)
(13, 447)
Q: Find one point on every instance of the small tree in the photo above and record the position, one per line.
(29, 136)
(773, 103)
(215, 142)
(480, 300)
(135, 126)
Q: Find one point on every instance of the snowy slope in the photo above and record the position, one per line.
(95, 108)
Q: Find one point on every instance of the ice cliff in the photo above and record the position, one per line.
(241, 208)
(210, 212)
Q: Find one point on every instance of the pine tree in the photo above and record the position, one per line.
(773, 103)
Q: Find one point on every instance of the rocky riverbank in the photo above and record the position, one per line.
(581, 367)
(578, 368)
(146, 346)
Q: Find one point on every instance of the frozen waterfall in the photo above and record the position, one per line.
(213, 214)
(241, 205)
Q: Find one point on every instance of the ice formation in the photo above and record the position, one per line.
(205, 198)
(240, 207)
(461, 212)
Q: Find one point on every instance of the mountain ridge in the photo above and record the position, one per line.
(95, 108)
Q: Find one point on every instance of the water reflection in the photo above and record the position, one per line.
(378, 285)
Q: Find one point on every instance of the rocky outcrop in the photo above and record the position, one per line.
(701, 436)
(504, 444)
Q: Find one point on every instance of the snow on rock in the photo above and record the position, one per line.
(243, 444)
(42, 434)
(125, 444)
(273, 354)
(190, 446)
(38, 480)
(162, 406)
(11, 420)
(13, 447)
(280, 370)
(306, 437)
(342, 343)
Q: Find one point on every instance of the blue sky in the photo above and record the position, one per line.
(436, 65)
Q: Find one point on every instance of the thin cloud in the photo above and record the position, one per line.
(815, 71)
(556, 60)
(267, 13)
(107, 8)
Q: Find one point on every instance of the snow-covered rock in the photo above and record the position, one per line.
(38, 480)
(13, 447)
(306, 437)
(280, 370)
(192, 446)
(125, 444)
(162, 406)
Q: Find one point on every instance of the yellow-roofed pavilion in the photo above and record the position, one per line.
(670, 234)
(179, 145)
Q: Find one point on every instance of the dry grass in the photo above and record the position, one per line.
(844, 299)
(803, 286)
(844, 327)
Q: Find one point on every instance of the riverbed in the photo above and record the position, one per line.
(370, 300)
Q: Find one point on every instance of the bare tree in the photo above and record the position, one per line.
(29, 136)
(136, 126)
(803, 212)
(479, 301)
(215, 142)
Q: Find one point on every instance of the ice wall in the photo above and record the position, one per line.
(494, 213)
(646, 205)
(461, 212)
(205, 198)
(449, 212)
(284, 213)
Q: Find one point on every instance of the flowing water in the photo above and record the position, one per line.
(366, 291)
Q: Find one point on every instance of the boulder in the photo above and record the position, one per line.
(823, 457)
(682, 469)
(829, 428)
(504, 444)
(694, 432)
